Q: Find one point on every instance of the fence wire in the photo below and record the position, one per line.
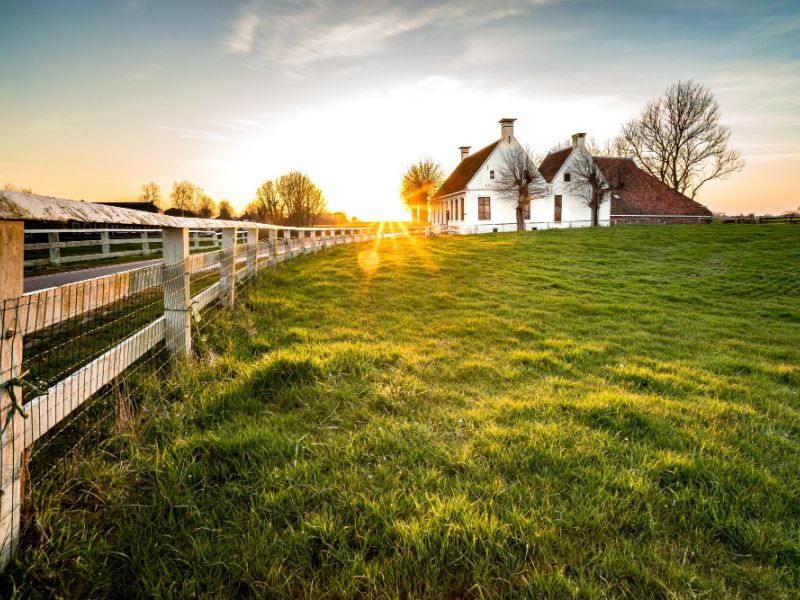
(90, 347)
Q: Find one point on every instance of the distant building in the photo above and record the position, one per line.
(469, 202)
(179, 212)
(143, 206)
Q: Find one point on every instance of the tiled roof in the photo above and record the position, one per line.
(465, 171)
(644, 194)
(552, 163)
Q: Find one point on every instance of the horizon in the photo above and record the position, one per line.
(352, 93)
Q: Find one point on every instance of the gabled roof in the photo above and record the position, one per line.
(643, 193)
(465, 171)
(552, 163)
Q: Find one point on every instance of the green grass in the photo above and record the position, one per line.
(606, 413)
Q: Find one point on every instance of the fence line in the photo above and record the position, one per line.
(148, 240)
(64, 346)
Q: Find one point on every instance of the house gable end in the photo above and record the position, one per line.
(466, 171)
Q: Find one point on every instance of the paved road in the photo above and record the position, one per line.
(40, 282)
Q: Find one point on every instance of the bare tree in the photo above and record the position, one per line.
(518, 181)
(302, 199)
(266, 207)
(10, 187)
(183, 196)
(151, 193)
(594, 185)
(205, 205)
(679, 139)
(420, 182)
(595, 148)
(226, 210)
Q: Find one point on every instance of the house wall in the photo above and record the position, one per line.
(573, 206)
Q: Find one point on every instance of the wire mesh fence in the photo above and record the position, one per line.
(89, 348)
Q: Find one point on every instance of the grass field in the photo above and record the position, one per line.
(578, 413)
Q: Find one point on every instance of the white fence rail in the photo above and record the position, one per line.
(234, 252)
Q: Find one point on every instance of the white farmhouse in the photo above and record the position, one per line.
(469, 201)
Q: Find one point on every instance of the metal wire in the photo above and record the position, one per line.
(91, 347)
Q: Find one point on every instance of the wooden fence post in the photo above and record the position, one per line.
(273, 247)
(145, 238)
(252, 251)
(55, 249)
(104, 243)
(227, 267)
(177, 316)
(12, 242)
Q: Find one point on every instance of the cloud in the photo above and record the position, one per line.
(243, 33)
(299, 34)
(144, 72)
(188, 133)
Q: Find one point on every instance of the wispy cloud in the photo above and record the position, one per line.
(189, 133)
(144, 72)
(308, 32)
(243, 33)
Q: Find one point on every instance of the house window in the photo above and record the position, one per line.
(491, 174)
(484, 209)
(526, 211)
(566, 176)
(557, 215)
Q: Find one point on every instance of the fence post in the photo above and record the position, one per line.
(273, 247)
(145, 238)
(177, 318)
(55, 249)
(104, 243)
(227, 267)
(252, 251)
(12, 241)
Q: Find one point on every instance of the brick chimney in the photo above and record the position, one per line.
(464, 151)
(507, 128)
(579, 140)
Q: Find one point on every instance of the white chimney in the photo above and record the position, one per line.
(507, 129)
(579, 140)
(464, 151)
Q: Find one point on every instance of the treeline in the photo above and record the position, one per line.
(292, 199)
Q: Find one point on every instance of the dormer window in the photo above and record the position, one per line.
(491, 174)
(566, 176)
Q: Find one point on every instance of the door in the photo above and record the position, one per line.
(557, 215)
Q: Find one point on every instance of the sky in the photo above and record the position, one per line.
(101, 97)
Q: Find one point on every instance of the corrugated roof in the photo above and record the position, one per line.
(465, 171)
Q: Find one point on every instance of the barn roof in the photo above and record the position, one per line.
(552, 163)
(644, 194)
(465, 171)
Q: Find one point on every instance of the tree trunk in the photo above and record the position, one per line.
(596, 208)
(520, 220)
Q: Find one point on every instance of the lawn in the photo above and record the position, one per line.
(577, 413)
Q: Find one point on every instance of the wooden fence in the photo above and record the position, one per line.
(172, 293)
(102, 244)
